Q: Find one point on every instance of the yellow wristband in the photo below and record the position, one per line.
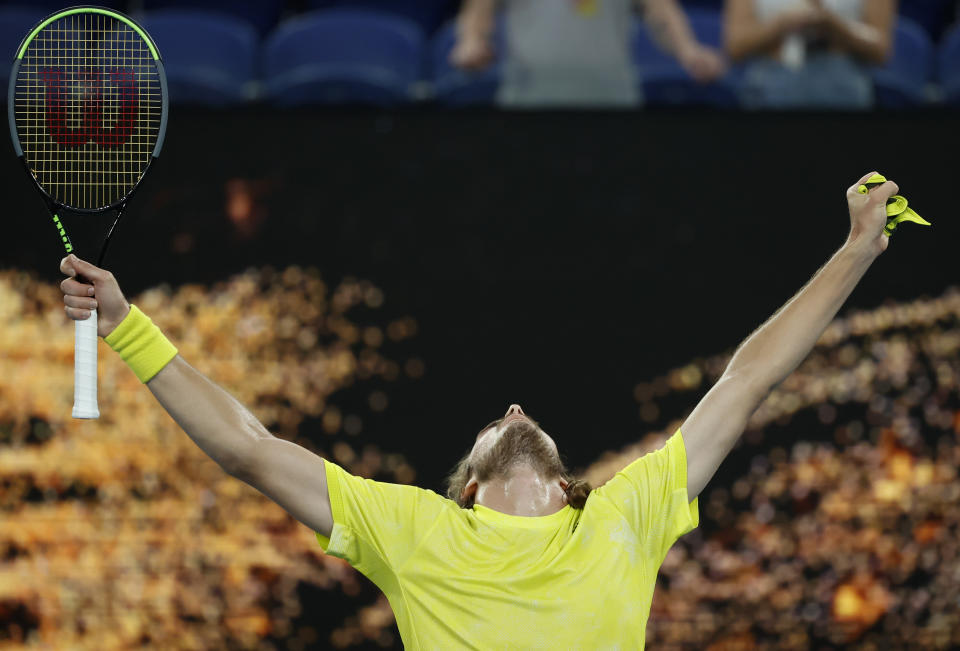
(141, 345)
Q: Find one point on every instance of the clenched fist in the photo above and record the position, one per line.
(868, 213)
(104, 295)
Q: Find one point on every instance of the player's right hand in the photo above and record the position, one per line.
(103, 295)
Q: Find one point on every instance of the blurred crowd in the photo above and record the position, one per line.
(574, 53)
(796, 53)
(809, 54)
(752, 54)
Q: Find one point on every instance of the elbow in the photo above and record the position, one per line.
(240, 461)
(244, 452)
(752, 386)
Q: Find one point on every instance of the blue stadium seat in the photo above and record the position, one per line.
(455, 87)
(902, 81)
(209, 57)
(949, 66)
(15, 23)
(342, 56)
(666, 83)
(262, 14)
(933, 15)
(714, 5)
(429, 14)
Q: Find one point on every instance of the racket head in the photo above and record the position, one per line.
(87, 107)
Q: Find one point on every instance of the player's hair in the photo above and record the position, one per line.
(577, 489)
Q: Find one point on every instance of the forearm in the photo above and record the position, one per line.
(475, 20)
(862, 40)
(775, 349)
(751, 37)
(222, 427)
(668, 25)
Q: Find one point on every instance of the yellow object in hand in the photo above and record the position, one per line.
(897, 208)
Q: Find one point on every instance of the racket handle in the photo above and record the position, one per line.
(85, 368)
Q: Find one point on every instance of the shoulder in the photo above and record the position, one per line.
(347, 487)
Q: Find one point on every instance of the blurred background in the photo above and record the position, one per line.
(379, 223)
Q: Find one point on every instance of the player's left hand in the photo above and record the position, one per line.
(868, 214)
(702, 63)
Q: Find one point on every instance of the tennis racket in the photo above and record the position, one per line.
(87, 106)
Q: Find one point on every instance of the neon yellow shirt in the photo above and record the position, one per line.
(480, 579)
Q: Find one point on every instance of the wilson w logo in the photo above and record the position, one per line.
(92, 128)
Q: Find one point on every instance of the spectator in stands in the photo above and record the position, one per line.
(575, 52)
(808, 53)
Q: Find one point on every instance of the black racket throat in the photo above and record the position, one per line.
(58, 215)
(62, 215)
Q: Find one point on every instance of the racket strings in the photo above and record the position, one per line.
(88, 107)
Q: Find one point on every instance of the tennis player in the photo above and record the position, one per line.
(521, 556)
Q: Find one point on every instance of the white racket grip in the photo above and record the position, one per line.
(85, 369)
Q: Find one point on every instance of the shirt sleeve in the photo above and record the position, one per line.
(377, 525)
(651, 493)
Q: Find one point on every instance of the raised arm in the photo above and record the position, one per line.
(777, 347)
(225, 430)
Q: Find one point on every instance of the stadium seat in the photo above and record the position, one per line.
(209, 57)
(714, 5)
(262, 14)
(342, 56)
(663, 79)
(949, 66)
(455, 87)
(902, 82)
(932, 15)
(429, 14)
